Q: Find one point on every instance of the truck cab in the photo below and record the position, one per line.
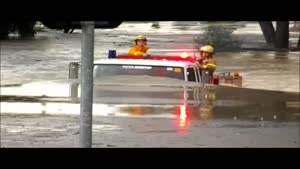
(155, 66)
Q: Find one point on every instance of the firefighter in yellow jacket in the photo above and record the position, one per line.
(207, 64)
(140, 49)
(206, 60)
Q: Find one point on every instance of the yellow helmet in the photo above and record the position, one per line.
(207, 48)
(140, 37)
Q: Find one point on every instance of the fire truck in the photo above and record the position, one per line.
(154, 81)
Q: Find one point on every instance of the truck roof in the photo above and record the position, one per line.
(145, 62)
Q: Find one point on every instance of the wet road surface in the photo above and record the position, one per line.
(219, 117)
(63, 131)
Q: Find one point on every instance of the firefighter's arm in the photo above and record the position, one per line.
(211, 64)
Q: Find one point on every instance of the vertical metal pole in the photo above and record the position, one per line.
(86, 98)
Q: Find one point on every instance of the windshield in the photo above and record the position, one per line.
(108, 70)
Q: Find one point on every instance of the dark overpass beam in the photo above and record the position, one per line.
(69, 25)
(268, 31)
(26, 28)
(282, 35)
(4, 30)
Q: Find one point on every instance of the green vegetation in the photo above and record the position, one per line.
(39, 28)
(155, 25)
(218, 36)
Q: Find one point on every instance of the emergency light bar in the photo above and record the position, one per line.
(159, 57)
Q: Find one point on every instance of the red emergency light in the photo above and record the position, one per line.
(160, 57)
(183, 118)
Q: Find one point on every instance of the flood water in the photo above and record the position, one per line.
(34, 80)
(46, 57)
